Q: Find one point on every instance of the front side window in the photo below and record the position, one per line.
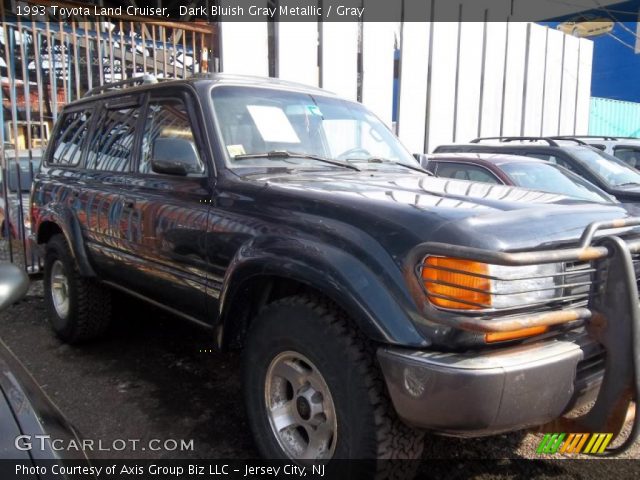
(629, 155)
(67, 144)
(256, 122)
(167, 125)
(112, 144)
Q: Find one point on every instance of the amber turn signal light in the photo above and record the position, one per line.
(455, 283)
(514, 334)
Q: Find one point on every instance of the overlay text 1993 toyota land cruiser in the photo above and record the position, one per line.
(371, 300)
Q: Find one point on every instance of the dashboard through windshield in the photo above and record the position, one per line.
(270, 127)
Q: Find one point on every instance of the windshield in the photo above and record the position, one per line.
(549, 178)
(609, 168)
(256, 121)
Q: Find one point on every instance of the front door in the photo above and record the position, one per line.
(169, 206)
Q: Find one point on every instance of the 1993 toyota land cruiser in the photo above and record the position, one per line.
(371, 300)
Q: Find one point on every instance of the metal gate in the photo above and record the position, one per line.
(48, 61)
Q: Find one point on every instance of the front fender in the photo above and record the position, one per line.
(379, 308)
(64, 218)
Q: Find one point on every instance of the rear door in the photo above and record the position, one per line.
(166, 211)
(111, 152)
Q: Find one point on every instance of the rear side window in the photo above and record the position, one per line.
(112, 145)
(543, 156)
(67, 144)
(465, 172)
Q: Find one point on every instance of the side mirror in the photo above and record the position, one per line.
(422, 159)
(175, 156)
(14, 284)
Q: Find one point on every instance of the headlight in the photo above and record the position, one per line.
(467, 285)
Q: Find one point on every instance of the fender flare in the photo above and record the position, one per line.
(64, 218)
(379, 314)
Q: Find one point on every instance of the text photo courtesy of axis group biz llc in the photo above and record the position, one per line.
(321, 239)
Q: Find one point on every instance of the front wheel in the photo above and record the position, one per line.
(314, 391)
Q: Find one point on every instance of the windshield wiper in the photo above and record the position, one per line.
(627, 183)
(286, 154)
(386, 160)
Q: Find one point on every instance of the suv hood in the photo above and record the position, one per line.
(401, 210)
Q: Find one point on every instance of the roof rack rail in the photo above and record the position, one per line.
(570, 138)
(513, 139)
(145, 79)
(601, 137)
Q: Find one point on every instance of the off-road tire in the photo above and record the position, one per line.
(368, 427)
(89, 301)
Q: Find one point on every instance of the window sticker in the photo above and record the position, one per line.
(314, 110)
(273, 124)
(235, 150)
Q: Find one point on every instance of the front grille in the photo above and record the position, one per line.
(578, 279)
(591, 366)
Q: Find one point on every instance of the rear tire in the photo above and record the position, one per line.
(317, 339)
(79, 308)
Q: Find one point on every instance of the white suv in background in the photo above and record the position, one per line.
(626, 149)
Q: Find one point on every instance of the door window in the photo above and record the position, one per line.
(112, 144)
(461, 171)
(70, 137)
(168, 119)
(629, 155)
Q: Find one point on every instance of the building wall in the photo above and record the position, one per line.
(457, 80)
(614, 117)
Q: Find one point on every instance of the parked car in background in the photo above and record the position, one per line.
(516, 171)
(605, 171)
(26, 412)
(371, 300)
(626, 149)
(14, 207)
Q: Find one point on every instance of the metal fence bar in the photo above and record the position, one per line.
(144, 51)
(164, 50)
(123, 63)
(76, 59)
(155, 50)
(20, 220)
(99, 39)
(65, 76)
(87, 46)
(174, 49)
(184, 55)
(133, 49)
(112, 65)
(52, 84)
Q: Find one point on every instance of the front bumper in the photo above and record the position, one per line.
(532, 384)
(475, 394)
